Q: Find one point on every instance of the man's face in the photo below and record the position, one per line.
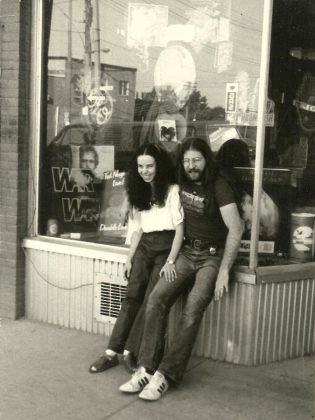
(194, 165)
(88, 161)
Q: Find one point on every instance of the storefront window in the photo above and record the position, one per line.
(118, 74)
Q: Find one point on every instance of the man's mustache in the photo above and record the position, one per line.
(190, 171)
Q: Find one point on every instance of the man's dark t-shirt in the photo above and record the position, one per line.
(203, 219)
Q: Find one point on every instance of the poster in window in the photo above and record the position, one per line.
(96, 159)
(112, 226)
(76, 182)
(167, 130)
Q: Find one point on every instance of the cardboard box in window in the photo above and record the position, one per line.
(275, 209)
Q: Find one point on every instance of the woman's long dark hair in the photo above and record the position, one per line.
(233, 153)
(200, 145)
(140, 192)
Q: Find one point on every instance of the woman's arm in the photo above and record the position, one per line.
(168, 270)
(134, 242)
(177, 242)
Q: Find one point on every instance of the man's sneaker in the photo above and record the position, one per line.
(155, 388)
(137, 382)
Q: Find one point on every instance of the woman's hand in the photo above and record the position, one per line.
(168, 271)
(127, 270)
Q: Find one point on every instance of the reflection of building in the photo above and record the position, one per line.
(67, 94)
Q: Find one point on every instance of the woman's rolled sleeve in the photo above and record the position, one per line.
(177, 212)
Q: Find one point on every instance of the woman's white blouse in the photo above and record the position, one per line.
(161, 218)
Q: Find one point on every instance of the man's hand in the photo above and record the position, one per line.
(222, 284)
(169, 272)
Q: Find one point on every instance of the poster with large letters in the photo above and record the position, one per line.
(75, 188)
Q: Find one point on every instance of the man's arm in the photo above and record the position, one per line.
(235, 227)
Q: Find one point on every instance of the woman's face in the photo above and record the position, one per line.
(146, 167)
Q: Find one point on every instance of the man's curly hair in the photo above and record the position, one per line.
(140, 192)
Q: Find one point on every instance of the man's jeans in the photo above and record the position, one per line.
(148, 260)
(195, 269)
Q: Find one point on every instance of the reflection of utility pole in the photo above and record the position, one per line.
(87, 33)
(87, 48)
(67, 117)
(96, 42)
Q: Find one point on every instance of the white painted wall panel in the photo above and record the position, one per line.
(60, 289)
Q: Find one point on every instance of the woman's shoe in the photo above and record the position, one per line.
(130, 362)
(103, 363)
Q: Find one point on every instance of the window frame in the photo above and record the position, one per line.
(124, 87)
(37, 113)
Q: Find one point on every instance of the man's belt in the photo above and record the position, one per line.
(201, 245)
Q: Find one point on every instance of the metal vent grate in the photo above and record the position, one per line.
(109, 294)
(111, 298)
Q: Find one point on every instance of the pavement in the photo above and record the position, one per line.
(44, 376)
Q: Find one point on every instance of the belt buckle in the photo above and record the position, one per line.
(213, 250)
(197, 244)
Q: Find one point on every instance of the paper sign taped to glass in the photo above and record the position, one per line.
(241, 102)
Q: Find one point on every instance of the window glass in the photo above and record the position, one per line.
(118, 74)
(123, 88)
(290, 141)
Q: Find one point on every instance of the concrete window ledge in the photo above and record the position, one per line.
(77, 248)
(285, 273)
(118, 253)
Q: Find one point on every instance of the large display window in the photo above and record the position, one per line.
(118, 74)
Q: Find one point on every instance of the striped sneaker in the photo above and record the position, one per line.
(157, 386)
(137, 382)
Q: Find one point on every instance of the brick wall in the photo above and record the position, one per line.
(15, 26)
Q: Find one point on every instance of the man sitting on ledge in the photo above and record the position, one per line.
(213, 230)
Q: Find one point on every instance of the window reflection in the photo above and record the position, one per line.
(122, 73)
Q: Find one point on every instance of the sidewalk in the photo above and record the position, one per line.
(44, 376)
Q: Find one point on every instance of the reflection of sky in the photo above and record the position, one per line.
(244, 33)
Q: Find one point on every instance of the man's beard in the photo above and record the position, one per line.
(194, 174)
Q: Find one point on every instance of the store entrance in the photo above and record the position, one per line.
(291, 142)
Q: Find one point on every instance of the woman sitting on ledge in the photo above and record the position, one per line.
(158, 234)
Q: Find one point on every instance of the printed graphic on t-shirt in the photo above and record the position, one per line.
(193, 203)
